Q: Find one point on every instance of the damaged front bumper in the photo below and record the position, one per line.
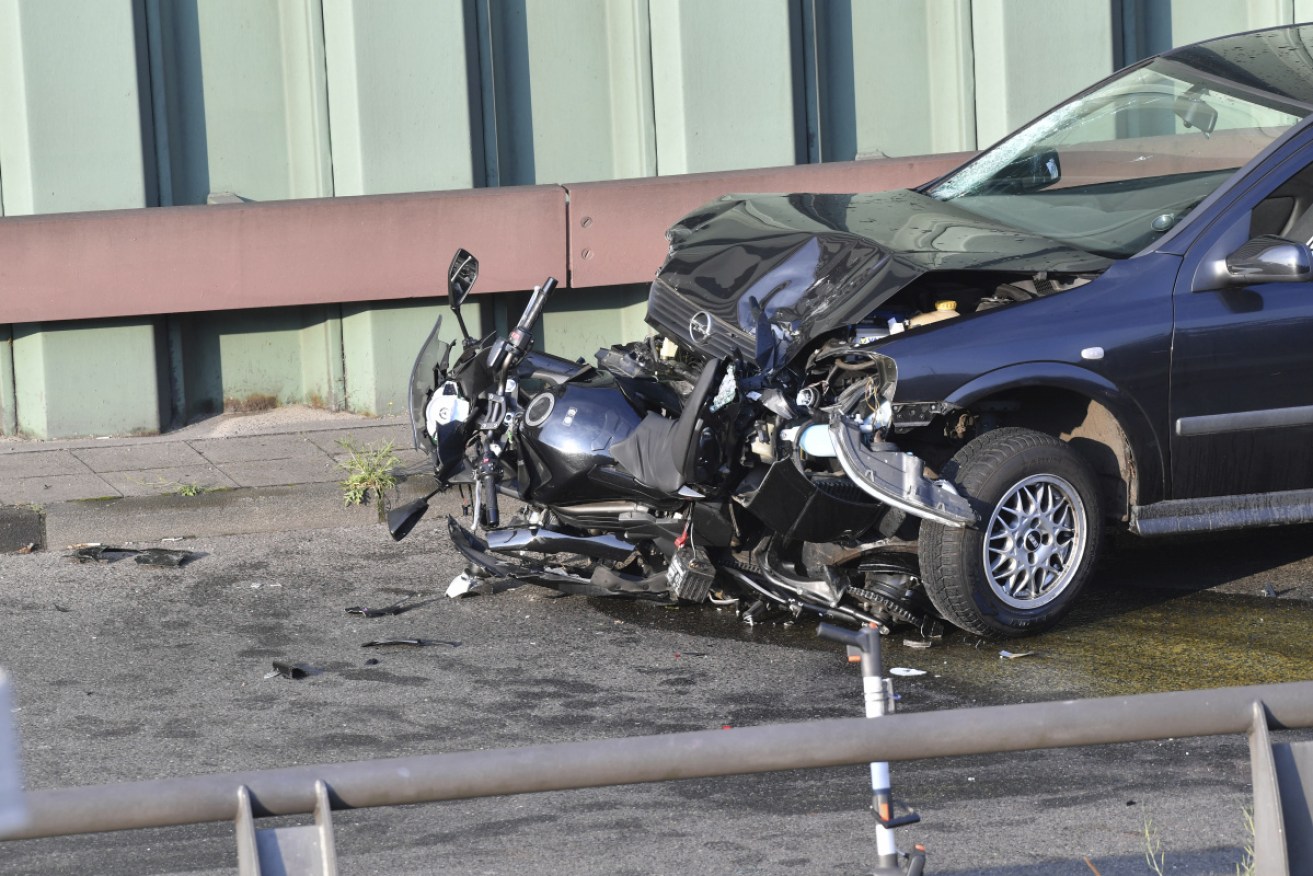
(895, 477)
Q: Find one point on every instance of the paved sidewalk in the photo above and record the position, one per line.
(229, 474)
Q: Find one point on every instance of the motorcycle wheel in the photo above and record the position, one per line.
(1022, 568)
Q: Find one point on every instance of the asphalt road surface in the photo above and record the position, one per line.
(124, 673)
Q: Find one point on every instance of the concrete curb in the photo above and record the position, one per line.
(22, 528)
(275, 472)
(226, 512)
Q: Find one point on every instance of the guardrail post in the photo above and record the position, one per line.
(302, 850)
(13, 812)
(1283, 801)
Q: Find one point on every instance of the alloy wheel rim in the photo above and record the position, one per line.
(1035, 541)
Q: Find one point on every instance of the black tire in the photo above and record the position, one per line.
(985, 580)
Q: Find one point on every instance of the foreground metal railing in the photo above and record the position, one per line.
(1283, 772)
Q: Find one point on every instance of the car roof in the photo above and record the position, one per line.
(1275, 60)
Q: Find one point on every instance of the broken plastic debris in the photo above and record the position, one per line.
(96, 553)
(414, 643)
(290, 670)
(1269, 590)
(1013, 655)
(27, 548)
(460, 585)
(917, 643)
(397, 607)
(906, 671)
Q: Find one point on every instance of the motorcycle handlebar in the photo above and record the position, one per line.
(510, 352)
(535, 307)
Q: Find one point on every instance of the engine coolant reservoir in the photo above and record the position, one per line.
(943, 310)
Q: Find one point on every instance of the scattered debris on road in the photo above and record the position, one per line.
(398, 607)
(414, 643)
(1015, 655)
(287, 669)
(165, 557)
(104, 553)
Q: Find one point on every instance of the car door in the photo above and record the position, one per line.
(1241, 403)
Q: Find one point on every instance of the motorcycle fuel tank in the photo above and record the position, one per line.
(565, 441)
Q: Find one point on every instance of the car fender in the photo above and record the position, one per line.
(1146, 449)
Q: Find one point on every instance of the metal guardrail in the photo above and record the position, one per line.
(1283, 772)
(112, 263)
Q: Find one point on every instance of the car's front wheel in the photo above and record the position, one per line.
(1021, 569)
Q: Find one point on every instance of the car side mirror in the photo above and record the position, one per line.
(1270, 259)
(460, 277)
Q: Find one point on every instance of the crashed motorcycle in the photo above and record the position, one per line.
(669, 473)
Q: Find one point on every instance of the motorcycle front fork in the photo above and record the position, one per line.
(486, 513)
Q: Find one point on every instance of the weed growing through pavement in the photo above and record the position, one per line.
(1154, 855)
(369, 471)
(1245, 867)
(1156, 858)
(176, 488)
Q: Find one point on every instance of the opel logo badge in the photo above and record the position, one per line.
(699, 327)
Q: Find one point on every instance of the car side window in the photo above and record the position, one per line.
(1288, 211)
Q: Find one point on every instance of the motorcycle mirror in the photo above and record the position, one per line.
(402, 520)
(460, 277)
(460, 280)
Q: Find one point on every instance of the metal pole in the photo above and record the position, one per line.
(879, 702)
(812, 744)
(13, 812)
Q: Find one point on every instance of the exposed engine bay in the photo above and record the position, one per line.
(767, 449)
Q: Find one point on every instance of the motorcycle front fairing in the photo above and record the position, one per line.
(438, 411)
(425, 376)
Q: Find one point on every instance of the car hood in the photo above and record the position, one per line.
(768, 274)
